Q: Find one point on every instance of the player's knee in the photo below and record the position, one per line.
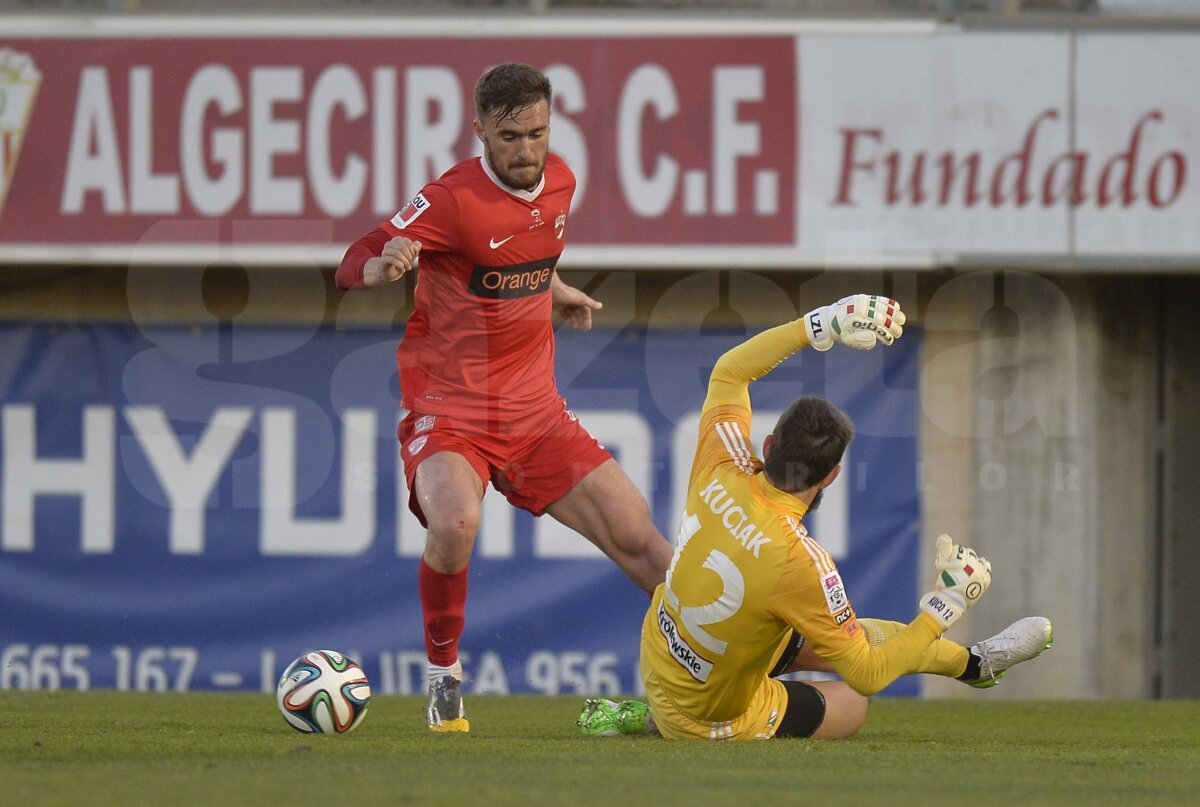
(845, 711)
(451, 535)
(650, 557)
(856, 713)
(638, 537)
(456, 525)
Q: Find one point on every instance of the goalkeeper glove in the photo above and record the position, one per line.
(962, 578)
(857, 321)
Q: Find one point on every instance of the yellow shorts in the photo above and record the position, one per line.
(758, 722)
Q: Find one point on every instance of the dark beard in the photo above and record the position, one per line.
(816, 502)
(507, 180)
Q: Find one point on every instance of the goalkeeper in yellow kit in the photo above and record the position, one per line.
(750, 594)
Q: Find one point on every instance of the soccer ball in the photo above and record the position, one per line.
(323, 692)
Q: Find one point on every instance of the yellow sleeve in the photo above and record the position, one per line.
(811, 597)
(724, 436)
(869, 669)
(750, 361)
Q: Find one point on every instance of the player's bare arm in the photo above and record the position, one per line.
(398, 257)
(573, 305)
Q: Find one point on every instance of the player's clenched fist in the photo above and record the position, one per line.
(961, 570)
(962, 578)
(398, 256)
(858, 321)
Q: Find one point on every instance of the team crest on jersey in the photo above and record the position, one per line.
(835, 592)
(424, 423)
(409, 213)
(560, 225)
(19, 81)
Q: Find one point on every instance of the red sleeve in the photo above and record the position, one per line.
(430, 217)
(349, 273)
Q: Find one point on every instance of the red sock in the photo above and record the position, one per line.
(444, 605)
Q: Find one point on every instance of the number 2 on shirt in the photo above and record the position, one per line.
(733, 590)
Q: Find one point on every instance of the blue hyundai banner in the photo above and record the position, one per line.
(192, 508)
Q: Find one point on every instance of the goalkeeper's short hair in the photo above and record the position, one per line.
(808, 441)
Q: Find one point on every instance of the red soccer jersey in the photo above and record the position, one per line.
(480, 341)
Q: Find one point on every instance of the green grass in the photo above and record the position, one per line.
(99, 748)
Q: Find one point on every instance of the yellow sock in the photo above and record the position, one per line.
(943, 657)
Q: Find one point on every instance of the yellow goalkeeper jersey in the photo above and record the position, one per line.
(746, 572)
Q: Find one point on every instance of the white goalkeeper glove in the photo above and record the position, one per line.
(857, 321)
(962, 578)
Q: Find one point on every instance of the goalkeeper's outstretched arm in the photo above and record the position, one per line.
(962, 578)
(858, 321)
(750, 361)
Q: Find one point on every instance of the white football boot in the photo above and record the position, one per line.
(445, 711)
(1022, 640)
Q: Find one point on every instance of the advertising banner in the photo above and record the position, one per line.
(974, 144)
(193, 507)
(769, 144)
(679, 141)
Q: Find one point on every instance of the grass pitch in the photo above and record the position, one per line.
(99, 748)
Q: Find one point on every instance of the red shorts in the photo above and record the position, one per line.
(534, 463)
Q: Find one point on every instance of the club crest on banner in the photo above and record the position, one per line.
(19, 80)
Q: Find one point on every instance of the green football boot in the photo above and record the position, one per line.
(605, 718)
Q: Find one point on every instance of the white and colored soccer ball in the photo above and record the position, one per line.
(323, 692)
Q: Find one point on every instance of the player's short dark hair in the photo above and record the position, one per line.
(508, 88)
(808, 441)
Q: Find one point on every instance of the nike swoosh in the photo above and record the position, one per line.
(494, 244)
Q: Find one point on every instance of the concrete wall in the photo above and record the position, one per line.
(1063, 402)
(1175, 630)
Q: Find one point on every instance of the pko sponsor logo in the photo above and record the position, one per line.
(696, 665)
(510, 282)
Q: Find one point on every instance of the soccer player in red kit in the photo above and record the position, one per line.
(477, 365)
